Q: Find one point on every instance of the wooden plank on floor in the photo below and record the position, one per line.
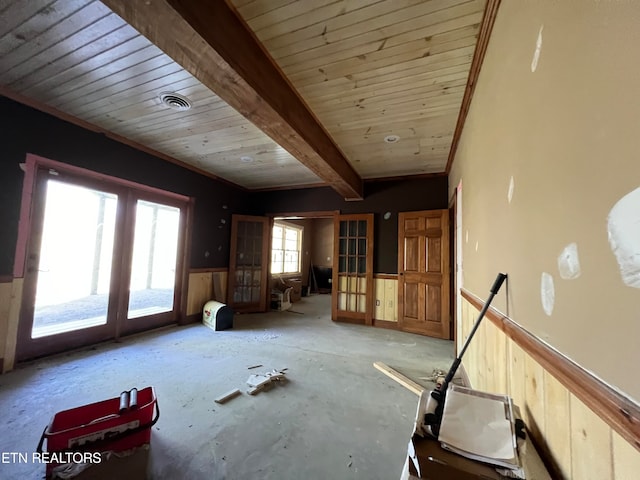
(228, 396)
(400, 378)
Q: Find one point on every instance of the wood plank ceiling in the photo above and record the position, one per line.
(367, 69)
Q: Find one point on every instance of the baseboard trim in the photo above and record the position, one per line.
(386, 276)
(466, 382)
(385, 324)
(193, 318)
(619, 412)
(208, 270)
(355, 321)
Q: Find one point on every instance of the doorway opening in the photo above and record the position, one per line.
(313, 255)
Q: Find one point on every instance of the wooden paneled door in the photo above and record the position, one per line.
(423, 272)
(352, 278)
(249, 263)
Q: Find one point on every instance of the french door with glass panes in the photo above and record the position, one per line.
(103, 260)
(352, 278)
(249, 263)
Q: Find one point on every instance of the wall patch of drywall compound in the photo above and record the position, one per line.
(536, 53)
(569, 262)
(510, 191)
(547, 293)
(623, 226)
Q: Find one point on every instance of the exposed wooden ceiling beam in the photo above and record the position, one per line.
(210, 41)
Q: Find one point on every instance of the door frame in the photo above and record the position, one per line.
(453, 270)
(302, 215)
(32, 212)
(123, 325)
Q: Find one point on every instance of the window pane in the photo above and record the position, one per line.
(343, 246)
(362, 264)
(352, 264)
(285, 255)
(362, 246)
(153, 266)
(74, 271)
(352, 246)
(277, 257)
(342, 264)
(291, 245)
(291, 234)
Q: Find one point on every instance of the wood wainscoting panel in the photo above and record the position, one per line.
(534, 393)
(626, 460)
(219, 279)
(199, 292)
(591, 451)
(557, 431)
(391, 299)
(205, 284)
(378, 295)
(579, 437)
(499, 368)
(385, 306)
(11, 339)
(517, 376)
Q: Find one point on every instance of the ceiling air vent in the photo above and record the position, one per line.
(175, 101)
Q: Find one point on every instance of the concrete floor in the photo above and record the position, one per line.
(336, 418)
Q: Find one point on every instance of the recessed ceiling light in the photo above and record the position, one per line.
(391, 139)
(175, 101)
(246, 159)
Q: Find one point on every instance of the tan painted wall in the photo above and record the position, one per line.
(9, 339)
(581, 445)
(568, 134)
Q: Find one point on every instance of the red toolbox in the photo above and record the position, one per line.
(102, 426)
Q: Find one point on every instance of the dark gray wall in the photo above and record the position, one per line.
(380, 197)
(26, 130)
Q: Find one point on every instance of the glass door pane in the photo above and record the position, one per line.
(154, 259)
(74, 269)
(248, 263)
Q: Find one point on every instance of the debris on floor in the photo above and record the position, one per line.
(254, 366)
(228, 396)
(437, 377)
(259, 382)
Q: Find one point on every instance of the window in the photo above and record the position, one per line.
(285, 248)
